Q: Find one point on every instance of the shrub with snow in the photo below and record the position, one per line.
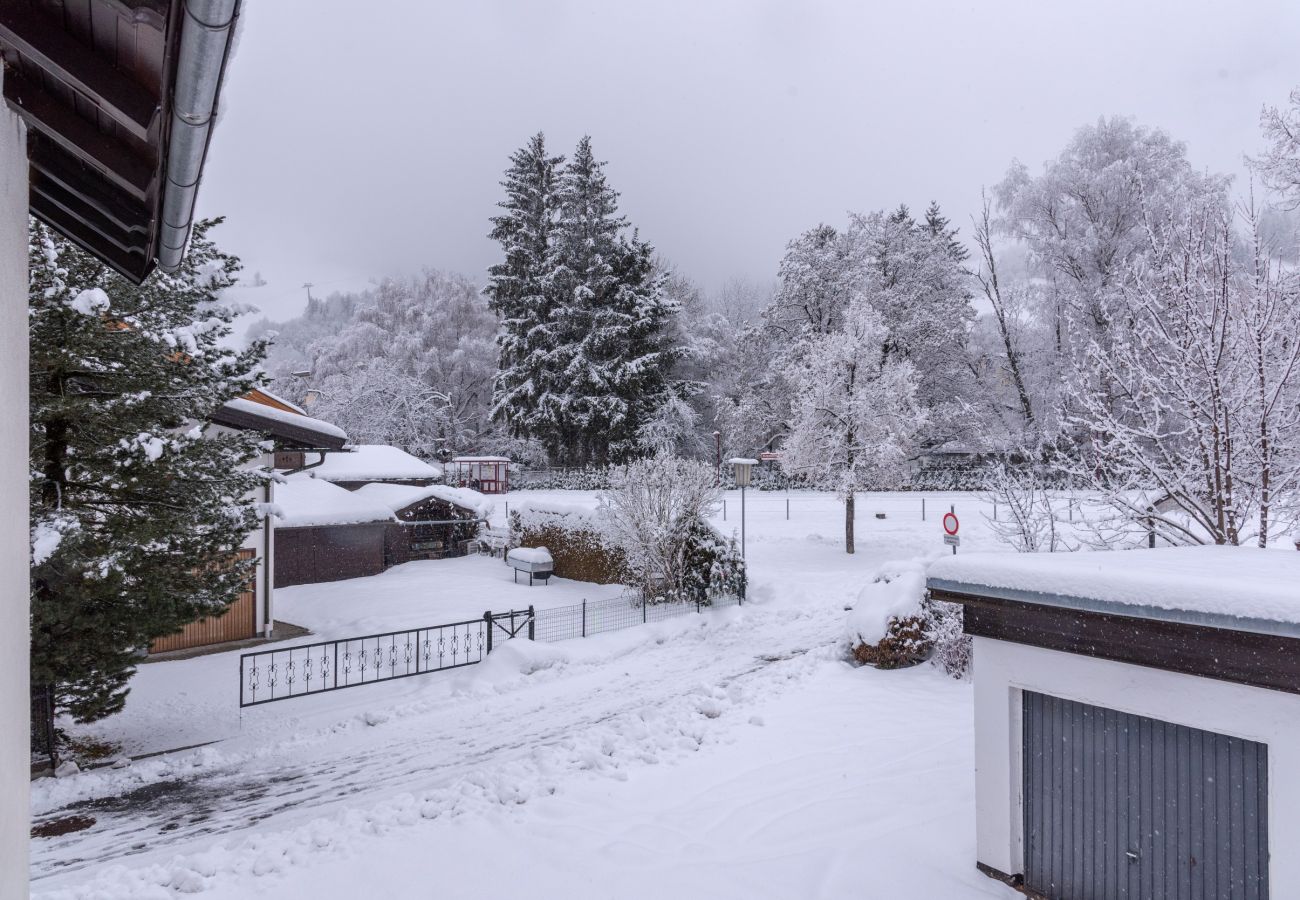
(894, 623)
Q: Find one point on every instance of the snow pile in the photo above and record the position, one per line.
(895, 593)
(90, 302)
(374, 462)
(1243, 582)
(399, 496)
(304, 501)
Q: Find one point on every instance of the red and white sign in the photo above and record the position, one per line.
(950, 523)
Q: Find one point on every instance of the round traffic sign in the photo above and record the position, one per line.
(950, 523)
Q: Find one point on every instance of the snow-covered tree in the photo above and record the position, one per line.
(135, 511)
(654, 506)
(1194, 426)
(520, 292)
(1082, 218)
(611, 356)
(1279, 166)
(855, 413)
(585, 356)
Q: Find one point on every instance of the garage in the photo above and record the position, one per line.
(1137, 720)
(1118, 805)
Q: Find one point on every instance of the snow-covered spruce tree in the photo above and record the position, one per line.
(520, 292)
(855, 411)
(135, 512)
(611, 361)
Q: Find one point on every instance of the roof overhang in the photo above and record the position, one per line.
(309, 434)
(118, 97)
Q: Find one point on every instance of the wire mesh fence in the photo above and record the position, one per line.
(562, 623)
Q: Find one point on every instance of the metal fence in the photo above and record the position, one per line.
(562, 623)
(269, 675)
(266, 676)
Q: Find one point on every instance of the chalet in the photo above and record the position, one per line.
(1137, 719)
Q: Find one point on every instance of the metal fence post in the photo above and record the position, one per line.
(724, 509)
(644, 604)
(487, 623)
(584, 616)
(995, 510)
(922, 509)
(787, 509)
(532, 622)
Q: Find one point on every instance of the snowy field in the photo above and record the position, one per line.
(729, 754)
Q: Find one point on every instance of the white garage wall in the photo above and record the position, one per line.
(1003, 670)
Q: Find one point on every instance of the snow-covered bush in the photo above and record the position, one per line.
(589, 479)
(656, 509)
(894, 623)
(714, 568)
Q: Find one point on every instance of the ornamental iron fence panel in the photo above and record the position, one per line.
(266, 676)
(280, 674)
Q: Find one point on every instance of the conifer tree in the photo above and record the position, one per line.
(135, 510)
(939, 227)
(611, 313)
(519, 291)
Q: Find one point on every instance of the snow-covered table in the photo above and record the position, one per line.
(536, 561)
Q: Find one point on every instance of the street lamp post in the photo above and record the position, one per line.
(743, 469)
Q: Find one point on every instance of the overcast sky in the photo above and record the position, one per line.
(360, 140)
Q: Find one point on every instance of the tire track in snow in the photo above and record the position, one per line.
(450, 741)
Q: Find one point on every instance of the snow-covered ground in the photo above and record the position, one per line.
(730, 754)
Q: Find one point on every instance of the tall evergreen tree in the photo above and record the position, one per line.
(611, 315)
(135, 510)
(519, 291)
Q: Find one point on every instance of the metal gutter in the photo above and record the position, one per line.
(206, 30)
(1111, 607)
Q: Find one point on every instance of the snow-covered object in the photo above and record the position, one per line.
(742, 461)
(1241, 582)
(895, 592)
(374, 462)
(254, 408)
(534, 555)
(397, 497)
(90, 302)
(304, 501)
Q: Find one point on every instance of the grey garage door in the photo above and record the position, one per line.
(1121, 806)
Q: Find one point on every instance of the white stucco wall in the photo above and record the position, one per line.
(1003, 670)
(14, 546)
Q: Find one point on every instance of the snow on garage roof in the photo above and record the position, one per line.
(374, 462)
(306, 501)
(1239, 588)
(397, 497)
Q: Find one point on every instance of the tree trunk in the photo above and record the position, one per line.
(848, 523)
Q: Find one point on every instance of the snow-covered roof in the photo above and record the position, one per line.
(396, 497)
(742, 461)
(1239, 588)
(472, 459)
(374, 462)
(303, 501)
(242, 413)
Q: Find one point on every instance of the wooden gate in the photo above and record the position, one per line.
(237, 623)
